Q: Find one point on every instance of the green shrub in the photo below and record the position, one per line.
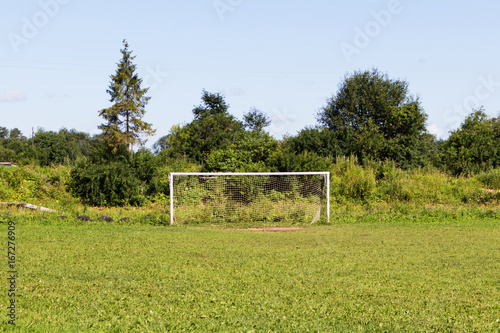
(284, 160)
(479, 196)
(395, 190)
(113, 184)
(490, 179)
(159, 185)
(352, 181)
(27, 183)
(225, 160)
(382, 169)
(394, 184)
(7, 155)
(474, 147)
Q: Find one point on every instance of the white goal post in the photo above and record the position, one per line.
(249, 196)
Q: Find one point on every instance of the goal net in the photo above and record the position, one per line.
(288, 197)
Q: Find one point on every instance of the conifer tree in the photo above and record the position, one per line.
(123, 120)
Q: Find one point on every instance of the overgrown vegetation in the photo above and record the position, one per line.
(371, 136)
(377, 187)
(37, 185)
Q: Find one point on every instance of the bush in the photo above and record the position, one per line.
(160, 185)
(382, 169)
(7, 155)
(28, 183)
(393, 183)
(490, 179)
(474, 147)
(284, 160)
(225, 160)
(352, 181)
(395, 190)
(318, 140)
(113, 184)
(144, 163)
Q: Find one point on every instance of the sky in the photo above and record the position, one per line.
(285, 58)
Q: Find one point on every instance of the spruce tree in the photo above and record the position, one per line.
(123, 120)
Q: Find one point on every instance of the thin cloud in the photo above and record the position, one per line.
(233, 92)
(53, 95)
(12, 96)
(436, 130)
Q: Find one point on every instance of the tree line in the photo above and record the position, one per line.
(371, 116)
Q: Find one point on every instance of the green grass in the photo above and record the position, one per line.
(359, 277)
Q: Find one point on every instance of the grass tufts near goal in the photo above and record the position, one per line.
(263, 197)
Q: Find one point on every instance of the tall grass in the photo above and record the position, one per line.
(490, 179)
(382, 182)
(350, 181)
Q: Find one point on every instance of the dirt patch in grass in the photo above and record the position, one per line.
(270, 229)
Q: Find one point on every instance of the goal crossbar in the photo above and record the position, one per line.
(171, 176)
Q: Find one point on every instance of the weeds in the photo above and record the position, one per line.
(490, 179)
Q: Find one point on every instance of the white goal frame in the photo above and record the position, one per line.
(214, 174)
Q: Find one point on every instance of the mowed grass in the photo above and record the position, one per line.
(356, 277)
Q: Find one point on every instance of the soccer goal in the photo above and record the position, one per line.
(289, 197)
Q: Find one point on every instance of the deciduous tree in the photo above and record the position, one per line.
(376, 116)
(212, 128)
(256, 120)
(474, 147)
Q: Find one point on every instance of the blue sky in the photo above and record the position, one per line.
(283, 57)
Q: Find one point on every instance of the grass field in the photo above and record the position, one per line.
(358, 277)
